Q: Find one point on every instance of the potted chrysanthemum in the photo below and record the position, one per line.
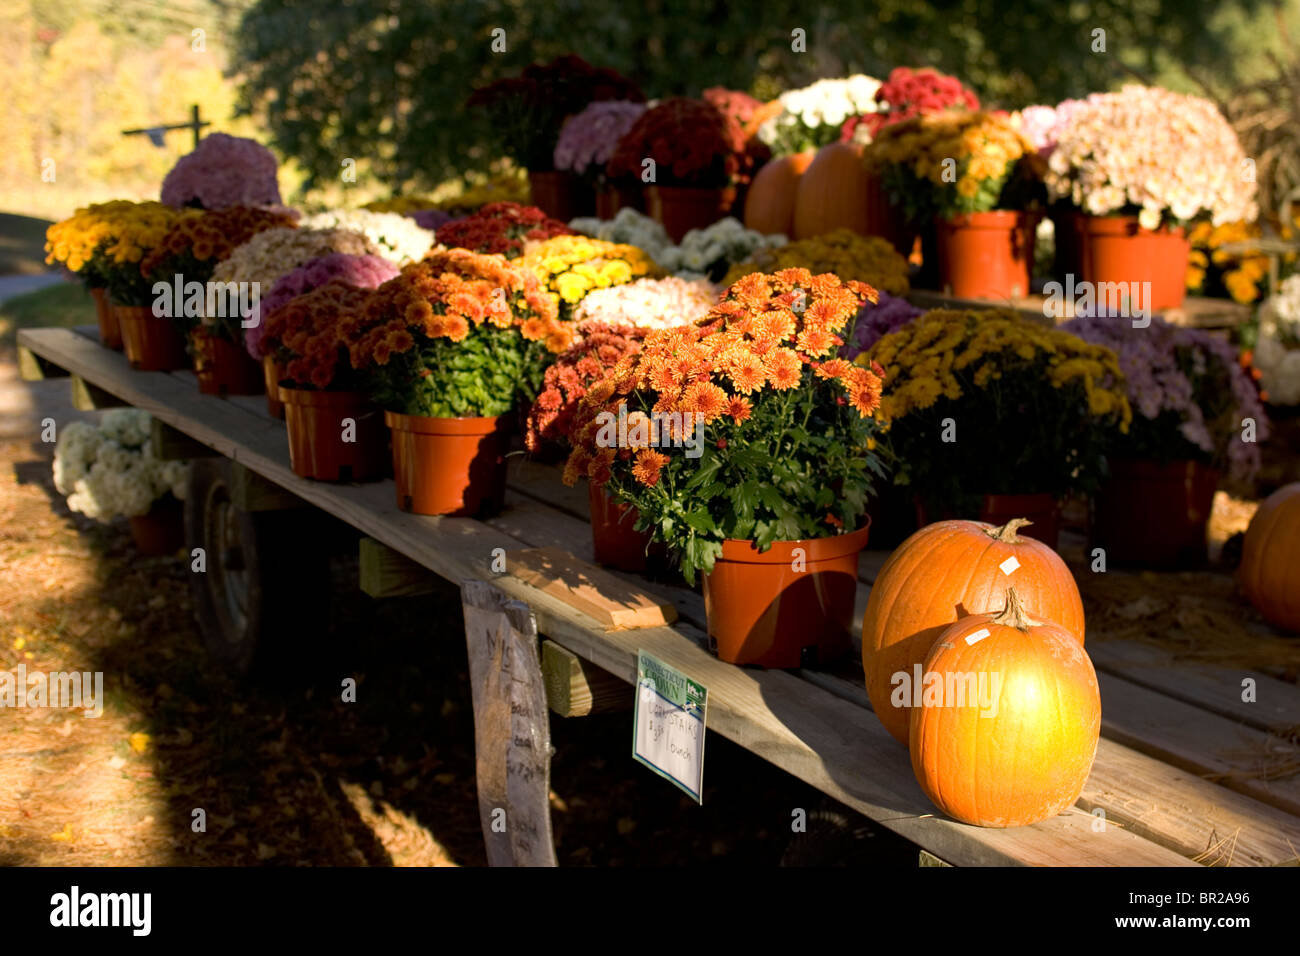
(587, 142)
(501, 228)
(1140, 165)
(451, 348)
(743, 443)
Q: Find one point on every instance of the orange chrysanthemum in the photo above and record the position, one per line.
(783, 367)
(647, 467)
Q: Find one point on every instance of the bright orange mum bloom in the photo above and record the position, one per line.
(647, 467)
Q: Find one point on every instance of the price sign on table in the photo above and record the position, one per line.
(668, 735)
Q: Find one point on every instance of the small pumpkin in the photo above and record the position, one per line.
(769, 204)
(1270, 559)
(944, 572)
(834, 192)
(1020, 751)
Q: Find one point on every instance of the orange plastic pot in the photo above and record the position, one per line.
(152, 343)
(335, 436)
(271, 376)
(110, 332)
(449, 466)
(561, 195)
(986, 255)
(615, 541)
(161, 531)
(1116, 249)
(679, 209)
(1154, 514)
(1043, 509)
(789, 607)
(224, 368)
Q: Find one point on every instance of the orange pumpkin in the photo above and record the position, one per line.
(834, 192)
(1008, 721)
(1270, 559)
(946, 571)
(769, 205)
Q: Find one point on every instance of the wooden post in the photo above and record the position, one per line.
(249, 491)
(577, 687)
(387, 573)
(169, 444)
(34, 368)
(512, 739)
(87, 397)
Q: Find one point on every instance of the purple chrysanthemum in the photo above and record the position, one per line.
(223, 171)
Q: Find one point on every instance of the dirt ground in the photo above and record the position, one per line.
(288, 774)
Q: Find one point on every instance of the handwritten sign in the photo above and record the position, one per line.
(512, 738)
(669, 724)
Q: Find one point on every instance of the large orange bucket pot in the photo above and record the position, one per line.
(151, 343)
(1116, 249)
(449, 466)
(986, 255)
(319, 426)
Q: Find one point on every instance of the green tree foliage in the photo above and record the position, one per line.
(385, 81)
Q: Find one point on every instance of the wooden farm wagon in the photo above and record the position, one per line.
(1176, 780)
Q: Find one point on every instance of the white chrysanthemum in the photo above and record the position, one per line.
(398, 237)
(109, 470)
(1277, 349)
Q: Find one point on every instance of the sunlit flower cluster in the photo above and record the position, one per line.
(869, 259)
(570, 267)
(110, 470)
(703, 252)
(310, 334)
(1241, 276)
(649, 303)
(397, 237)
(812, 116)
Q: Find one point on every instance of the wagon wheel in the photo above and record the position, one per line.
(265, 582)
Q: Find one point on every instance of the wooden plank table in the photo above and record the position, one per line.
(1171, 785)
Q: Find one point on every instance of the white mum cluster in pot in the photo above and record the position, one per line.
(1277, 351)
(110, 470)
(703, 253)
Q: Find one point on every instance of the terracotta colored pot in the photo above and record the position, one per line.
(1043, 509)
(271, 376)
(152, 344)
(680, 209)
(449, 466)
(1155, 514)
(986, 255)
(614, 538)
(224, 368)
(561, 195)
(162, 530)
(1069, 249)
(762, 611)
(1116, 249)
(335, 436)
(110, 332)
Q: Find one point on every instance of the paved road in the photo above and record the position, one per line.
(24, 405)
(12, 286)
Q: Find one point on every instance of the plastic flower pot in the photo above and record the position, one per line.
(615, 541)
(679, 209)
(1116, 249)
(561, 195)
(152, 344)
(1042, 509)
(271, 375)
(449, 466)
(789, 607)
(160, 531)
(986, 255)
(335, 436)
(224, 368)
(1154, 514)
(110, 332)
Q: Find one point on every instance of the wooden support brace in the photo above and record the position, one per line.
(387, 573)
(169, 444)
(87, 397)
(249, 491)
(576, 687)
(33, 368)
(929, 859)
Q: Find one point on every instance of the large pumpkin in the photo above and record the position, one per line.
(946, 571)
(769, 204)
(1270, 559)
(1008, 721)
(834, 192)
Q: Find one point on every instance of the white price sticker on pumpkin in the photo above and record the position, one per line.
(668, 724)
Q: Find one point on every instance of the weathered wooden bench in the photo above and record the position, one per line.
(1170, 785)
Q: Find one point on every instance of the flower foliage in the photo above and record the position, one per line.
(691, 142)
(588, 138)
(1127, 153)
(458, 334)
(109, 470)
(1033, 407)
(223, 171)
(869, 259)
(527, 111)
(501, 228)
(779, 425)
(1190, 393)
